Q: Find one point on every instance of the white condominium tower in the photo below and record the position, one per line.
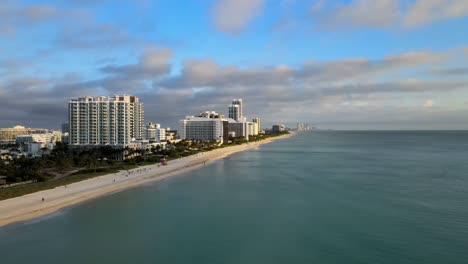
(235, 109)
(105, 120)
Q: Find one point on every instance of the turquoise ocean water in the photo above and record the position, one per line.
(321, 197)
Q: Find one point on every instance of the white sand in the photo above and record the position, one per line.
(31, 205)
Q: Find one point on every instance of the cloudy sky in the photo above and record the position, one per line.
(343, 64)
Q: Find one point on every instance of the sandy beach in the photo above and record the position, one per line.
(31, 205)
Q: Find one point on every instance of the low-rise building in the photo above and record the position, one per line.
(38, 144)
(278, 128)
(8, 135)
(151, 145)
(39, 138)
(34, 148)
(154, 133)
(56, 136)
(172, 134)
(239, 129)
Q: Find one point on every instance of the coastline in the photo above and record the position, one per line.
(31, 206)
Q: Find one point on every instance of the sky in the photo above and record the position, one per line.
(337, 64)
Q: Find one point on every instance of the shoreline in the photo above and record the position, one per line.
(30, 206)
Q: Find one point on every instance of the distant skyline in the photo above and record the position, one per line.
(337, 64)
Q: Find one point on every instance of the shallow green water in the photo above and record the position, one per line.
(324, 197)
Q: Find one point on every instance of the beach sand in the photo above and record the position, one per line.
(31, 206)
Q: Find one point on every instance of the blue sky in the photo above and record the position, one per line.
(360, 64)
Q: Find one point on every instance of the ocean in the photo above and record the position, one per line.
(319, 197)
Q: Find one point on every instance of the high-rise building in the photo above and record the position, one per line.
(234, 112)
(257, 121)
(236, 109)
(239, 103)
(238, 125)
(105, 120)
(65, 128)
(253, 129)
(206, 126)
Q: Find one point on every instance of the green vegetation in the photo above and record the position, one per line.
(74, 177)
(68, 165)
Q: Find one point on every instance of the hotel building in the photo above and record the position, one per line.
(105, 120)
(206, 126)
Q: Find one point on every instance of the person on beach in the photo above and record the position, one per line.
(43, 199)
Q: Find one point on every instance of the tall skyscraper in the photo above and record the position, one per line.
(236, 109)
(239, 103)
(105, 120)
(234, 112)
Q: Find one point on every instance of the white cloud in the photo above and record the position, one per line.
(414, 58)
(40, 12)
(386, 13)
(208, 73)
(7, 30)
(317, 6)
(152, 64)
(231, 16)
(424, 12)
(14, 17)
(351, 89)
(355, 68)
(359, 13)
